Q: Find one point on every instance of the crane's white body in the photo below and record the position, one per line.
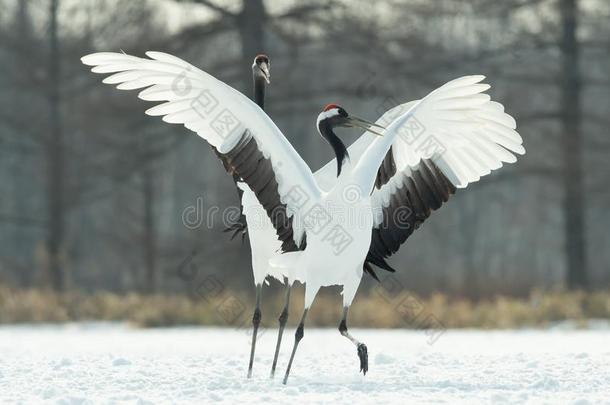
(264, 243)
(476, 135)
(323, 263)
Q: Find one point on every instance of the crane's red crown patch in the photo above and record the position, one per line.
(330, 107)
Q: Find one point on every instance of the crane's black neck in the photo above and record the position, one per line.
(326, 130)
(259, 91)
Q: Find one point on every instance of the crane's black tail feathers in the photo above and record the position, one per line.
(381, 263)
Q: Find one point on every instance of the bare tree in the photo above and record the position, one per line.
(56, 209)
(574, 205)
(94, 189)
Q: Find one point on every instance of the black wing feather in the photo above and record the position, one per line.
(423, 191)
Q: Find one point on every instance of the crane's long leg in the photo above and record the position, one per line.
(283, 319)
(361, 347)
(298, 335)
(256, 321)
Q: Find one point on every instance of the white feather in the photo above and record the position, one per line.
(198, 101)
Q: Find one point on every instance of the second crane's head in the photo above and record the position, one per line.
(260, 68)
(334, 116)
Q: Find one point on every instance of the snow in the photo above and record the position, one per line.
(93, 363)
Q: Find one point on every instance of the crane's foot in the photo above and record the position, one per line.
(363, 355)
(236, 229)
(256, 321)
(361, 349)
(298, 335)
(283, 319)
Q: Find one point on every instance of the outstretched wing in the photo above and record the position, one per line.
(455, 136)
(245, 137)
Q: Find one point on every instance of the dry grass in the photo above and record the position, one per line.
(376, 309)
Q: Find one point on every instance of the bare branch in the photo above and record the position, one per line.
(211, 6)
(304, 10)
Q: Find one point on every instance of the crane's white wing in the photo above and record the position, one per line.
(453, 137)
(237, 128)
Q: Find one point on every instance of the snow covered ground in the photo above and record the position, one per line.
(79, 363)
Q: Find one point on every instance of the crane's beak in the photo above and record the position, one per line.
(364, 124)
(265, 72)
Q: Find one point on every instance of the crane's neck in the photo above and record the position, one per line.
(326, 130)
(259, 91)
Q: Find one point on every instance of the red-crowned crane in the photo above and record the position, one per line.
(263, 238)
(329, 233)
(260, 267)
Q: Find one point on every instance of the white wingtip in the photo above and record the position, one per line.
(155, 111)
(89, 60)
(100, 58)
(519, 150)
(476, 78)
(464, 81)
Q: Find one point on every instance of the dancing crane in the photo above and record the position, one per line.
(130, 72)
(265, 245)
(450, 138)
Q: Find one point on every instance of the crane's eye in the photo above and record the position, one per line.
(342, 112)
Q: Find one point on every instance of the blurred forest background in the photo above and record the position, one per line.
(93, 192)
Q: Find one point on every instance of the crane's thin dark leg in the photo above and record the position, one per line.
(361, 347)
(298, 335)
(283, 319)
(256, 321)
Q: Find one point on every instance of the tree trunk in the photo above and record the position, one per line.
(571, 116)
(55, 158)
(21, 189)
(149, 239)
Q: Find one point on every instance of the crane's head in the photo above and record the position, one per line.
(261, 66)
(334, 116)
